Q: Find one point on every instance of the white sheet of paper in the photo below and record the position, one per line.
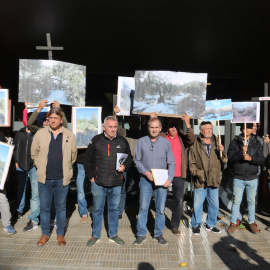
(160, 176)
(121, 157)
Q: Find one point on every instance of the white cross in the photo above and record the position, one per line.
(49, 47)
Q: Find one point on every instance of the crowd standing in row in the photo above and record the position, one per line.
(47, 153)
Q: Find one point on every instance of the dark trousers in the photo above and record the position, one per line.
(178, 187)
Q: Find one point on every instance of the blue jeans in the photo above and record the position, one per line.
(82, 203)
(146, 189)
(113, 198)
(238, 189)
(22, 178)
(211, 195)
(47, 191)
(122, 202)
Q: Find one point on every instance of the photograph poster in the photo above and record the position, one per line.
(125, 95)
(6, 151)
(51, 80)
(86, 123)
(170, 93)
(218, 110)
(4, 108)
(246, 112)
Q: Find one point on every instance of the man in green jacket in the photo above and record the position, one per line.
(206, 156)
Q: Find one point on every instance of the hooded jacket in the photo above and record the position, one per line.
(206, 169)
(243, 169)
(22, 150)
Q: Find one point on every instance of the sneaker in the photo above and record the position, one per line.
(52, 223)
(161, 240)
(231, 228)
(254, 228)
(92, 241)
(84, 219)
(139, 240)
(196, 231)
(268, 229)
(9, 229)
(120, 216)
(19, 215)
(30, 226)
(176, 231)
(117, 240)
(212, 229)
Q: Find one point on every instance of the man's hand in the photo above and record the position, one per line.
(167, 183)
(149, 176)
(122, 168)
(26, 105)
(42, 104)
(186, 117)
(153, 115)
(247, 157)
(116, 110)
(244, 149)
(221, 148)
(16, 165)
(266, 139)
(56, 104)
(92, 180)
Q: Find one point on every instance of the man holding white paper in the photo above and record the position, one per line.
(153, 152)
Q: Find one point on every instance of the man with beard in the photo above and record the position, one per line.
(153, 152)
(205, 162)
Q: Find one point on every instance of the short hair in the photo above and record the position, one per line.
(57, 111)
(154, 119)
(248, 125)
(110, 117)
(173, 122)
(205, 123)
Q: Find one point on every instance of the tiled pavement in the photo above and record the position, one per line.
(243, 250)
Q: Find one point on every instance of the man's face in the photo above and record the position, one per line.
(110, 128)
(172, 130)
(46, 122)
(254, 129)
(207, 131)
(55, 121)
(154, 129)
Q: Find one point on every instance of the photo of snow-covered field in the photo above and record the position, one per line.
(51, 80)
(246, 112)
(125, 96)
(170, 93)
(4, 115)
(218, 110)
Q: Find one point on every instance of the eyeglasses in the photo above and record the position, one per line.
(152, 147)
(46, 120)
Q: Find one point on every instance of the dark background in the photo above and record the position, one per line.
(228, 40)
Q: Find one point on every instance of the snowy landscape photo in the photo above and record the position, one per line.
(125, 95)
(170, 93)
(218, 110)
(86, 123)
(4, 113)
(6, 151)
(246, 112)
(51, 80)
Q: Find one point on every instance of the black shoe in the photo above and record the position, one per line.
(176, 231)
(161, 240)
(120, 216)
(212, 229)
(19, 215)
(30, 226)
(196, 231)
(139, 240)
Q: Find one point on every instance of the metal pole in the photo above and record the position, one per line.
(265, 126)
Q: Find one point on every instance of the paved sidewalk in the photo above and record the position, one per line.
(243, 250)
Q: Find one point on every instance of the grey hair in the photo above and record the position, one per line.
(154, 119)
(110, 118)
(203, 123)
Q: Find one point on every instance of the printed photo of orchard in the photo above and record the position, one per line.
(86, 123)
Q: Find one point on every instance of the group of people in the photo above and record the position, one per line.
(47, 154)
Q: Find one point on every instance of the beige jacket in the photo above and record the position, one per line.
(40, 149)
(206, 170)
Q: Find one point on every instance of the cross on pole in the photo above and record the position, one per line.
(49, 47)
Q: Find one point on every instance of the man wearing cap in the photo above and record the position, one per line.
(245, 154)
(179, 142)
(206, 157)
